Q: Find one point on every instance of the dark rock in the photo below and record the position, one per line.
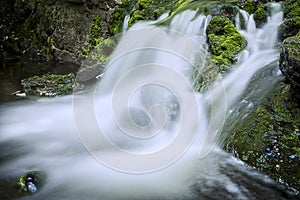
(51, 29)
(225, 9)
(288, 28)
(290, 61)
(89, 72)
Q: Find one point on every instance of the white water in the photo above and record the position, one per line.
(163, 138)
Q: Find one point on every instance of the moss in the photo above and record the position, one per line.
(269, 139)
(292, 44)
(249, 6)
(292, 10)
(118, 16)
(150, 10)
(49, 85)
(260, 16)
(225, 41)
(205, 78)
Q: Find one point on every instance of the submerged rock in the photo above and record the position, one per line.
(31, 182)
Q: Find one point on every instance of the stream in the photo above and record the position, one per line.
(143, 132)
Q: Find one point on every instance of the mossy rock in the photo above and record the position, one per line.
(140, 10)
(288, 28)
(290, 61)
(49, 85)
(225, 41)
(292, 10)
(269, 138)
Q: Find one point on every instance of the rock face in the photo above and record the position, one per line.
(51, 29)
(290, 61)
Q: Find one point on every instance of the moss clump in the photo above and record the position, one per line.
(249, 6)
(95, 36)
(150, 9)
(292, 10)
(292, 45)
(49, 85)
(118, 16)
(269, 138)
(258, 10)
(101, 52)
(225, 41)
(141, 10)
(260, 16)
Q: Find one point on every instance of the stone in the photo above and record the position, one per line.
(288, 28)
(290, 61)
(89, 72)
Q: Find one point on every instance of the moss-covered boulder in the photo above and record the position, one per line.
(291, 23)
(290, 62)
(269, 138)
(288, 28)
(225, 41)
(292, 10)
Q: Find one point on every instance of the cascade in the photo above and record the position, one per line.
(143, 132)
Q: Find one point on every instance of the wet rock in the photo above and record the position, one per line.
(49, 85)
(290, 61)
(225, 9)
(51, 29)
(31, 181)
(87, 73)
(288, 28)
(267, 139)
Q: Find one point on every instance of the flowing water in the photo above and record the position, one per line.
(143, 132)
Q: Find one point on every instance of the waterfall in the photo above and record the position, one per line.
(143, 132)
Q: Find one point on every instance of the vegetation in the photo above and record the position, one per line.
(269, 138)
(49, 85)
(225, 41)
(292, 10)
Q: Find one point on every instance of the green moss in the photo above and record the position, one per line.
(297, 150)
(292, 44)
(260, 16)
(269, 139)
(249, 6)
(49, 85)
(149, 10)
(292, 10)
(119, 14)
(225, 41)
